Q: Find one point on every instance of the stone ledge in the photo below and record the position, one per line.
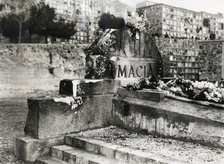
(204, 103)
(88, 87)
(145, 94)
(29, 149)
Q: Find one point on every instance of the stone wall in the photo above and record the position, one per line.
(192, 59)
(180, 57)
(25, 68)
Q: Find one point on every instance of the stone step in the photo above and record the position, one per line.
(49, 160)
(171, 118)
(73, 155)
(117, 152)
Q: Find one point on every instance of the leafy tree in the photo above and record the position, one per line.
(16, 18)
(20, 14)
(110, 21)
(60, 29)
(1, 7)
(10, 28)
(43, 22)
(41, 16)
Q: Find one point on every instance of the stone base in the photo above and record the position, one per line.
(29, 149)
(171, 118)
(52, 117)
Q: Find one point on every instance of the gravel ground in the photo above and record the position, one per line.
(189, 152)
(13, 112)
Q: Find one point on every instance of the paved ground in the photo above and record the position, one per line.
(13, 112)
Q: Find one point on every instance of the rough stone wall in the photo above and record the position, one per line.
(211, 60)
(179, 56)
(25, 68)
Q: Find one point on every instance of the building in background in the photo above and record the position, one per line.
(178, 22)
(144, 3)
(88, 14)
(63, 8)
(180, 57)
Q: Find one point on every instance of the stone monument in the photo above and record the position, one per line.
(116, 58)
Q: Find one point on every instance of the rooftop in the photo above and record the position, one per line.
(162, 4)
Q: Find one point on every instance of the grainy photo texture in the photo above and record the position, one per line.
(111, 82)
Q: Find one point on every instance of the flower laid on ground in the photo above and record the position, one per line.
(133, 87)
(143, 83)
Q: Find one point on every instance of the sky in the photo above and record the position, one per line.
(211, 6)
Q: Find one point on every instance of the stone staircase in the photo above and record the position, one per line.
(78, 150)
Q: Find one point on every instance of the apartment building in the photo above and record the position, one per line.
(180, 57)
(63, 8)
(144, 3)
(88, 13)
(178, 22)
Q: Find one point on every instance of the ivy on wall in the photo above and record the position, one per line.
(210, 58)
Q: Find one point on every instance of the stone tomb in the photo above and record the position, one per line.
(52, 117)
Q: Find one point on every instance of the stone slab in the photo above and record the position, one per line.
(88, 87)
(145, 94)
(171, 118)
(52, 117)
(29, 149)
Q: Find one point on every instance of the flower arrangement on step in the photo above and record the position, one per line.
(203, 91)
(145, 83)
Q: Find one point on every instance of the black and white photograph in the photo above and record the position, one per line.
(111, 82)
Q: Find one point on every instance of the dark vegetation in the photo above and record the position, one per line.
(39, 19)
